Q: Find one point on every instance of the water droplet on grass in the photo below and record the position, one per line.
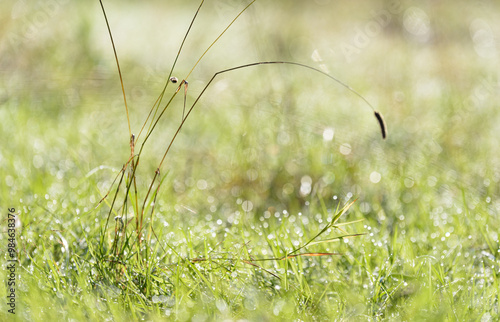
(375, 177)
(247, 205)
(159, 299)
(345, 149)
(328, 134)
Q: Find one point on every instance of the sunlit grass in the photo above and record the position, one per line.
(256, 171)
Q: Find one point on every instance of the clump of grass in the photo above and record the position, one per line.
(133, 247)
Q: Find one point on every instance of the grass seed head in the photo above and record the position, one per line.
(381, 122)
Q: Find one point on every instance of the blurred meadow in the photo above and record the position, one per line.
(261, 165)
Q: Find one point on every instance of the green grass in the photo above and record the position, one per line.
(253, 174)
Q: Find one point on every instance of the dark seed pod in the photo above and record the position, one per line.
(174, 79)
(381, 122)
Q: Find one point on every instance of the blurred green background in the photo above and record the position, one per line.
(268, 138)
(431, 70)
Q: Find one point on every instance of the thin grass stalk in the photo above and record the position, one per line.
(107, 193)
(118, 66)
(155, 195)
(160, 97)
(111, 210)
(217, 39)
(131, 181)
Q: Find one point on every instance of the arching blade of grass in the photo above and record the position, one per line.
(252, 65)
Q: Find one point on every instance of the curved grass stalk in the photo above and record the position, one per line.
(377, 114)
(183, 82)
